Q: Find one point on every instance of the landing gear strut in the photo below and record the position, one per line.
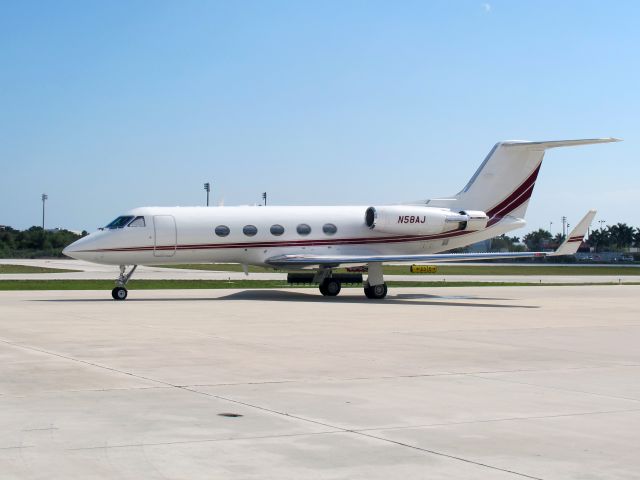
(374, 287)
(120, 291)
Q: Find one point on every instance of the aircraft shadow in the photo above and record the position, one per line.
(290, 296)
(398, 299)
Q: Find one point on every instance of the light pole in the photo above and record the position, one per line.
(207, 188)
(601, 222)
(264, 197)
(45, 197)
(550, 223)
(564, 222)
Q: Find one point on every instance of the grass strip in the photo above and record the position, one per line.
(7, 268)
(7, 285)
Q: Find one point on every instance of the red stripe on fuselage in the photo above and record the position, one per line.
(295, 243)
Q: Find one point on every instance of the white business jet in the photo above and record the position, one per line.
(320, 239)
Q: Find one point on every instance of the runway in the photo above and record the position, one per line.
(494, 382)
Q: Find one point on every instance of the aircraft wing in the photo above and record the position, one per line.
(568, 247)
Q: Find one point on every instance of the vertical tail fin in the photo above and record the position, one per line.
(504, 182)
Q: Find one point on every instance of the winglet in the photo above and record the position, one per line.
(573, 241)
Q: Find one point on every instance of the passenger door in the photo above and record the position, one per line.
(166, 236)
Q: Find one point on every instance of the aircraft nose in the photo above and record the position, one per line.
(70, 249)
(79, 248)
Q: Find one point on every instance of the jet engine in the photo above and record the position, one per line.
(417, 220)
(476, 220)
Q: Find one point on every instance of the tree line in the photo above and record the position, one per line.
(35, 242)
(612, 238)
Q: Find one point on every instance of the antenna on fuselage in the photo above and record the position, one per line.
(207, 188)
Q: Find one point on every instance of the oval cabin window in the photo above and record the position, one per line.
(249, 230)
(222, 230)
(329, 228)
(277, 230)
(303, 229)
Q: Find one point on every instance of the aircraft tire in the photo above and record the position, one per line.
(119, 293)
(330, 287)
(377, 292)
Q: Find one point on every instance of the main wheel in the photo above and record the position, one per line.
(330, 287)
(376, 292)
(119, 293)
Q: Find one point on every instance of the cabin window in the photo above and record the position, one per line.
(303, 229)
(276, 230)
(120, 222)
(249, 230)
(329, 228)
(222, 230)
(138, 222)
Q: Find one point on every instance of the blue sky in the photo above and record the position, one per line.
(106, 106)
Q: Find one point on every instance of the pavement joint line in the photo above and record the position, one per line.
(84, 390)
(447, 455)
(416, 375)
(357, 432)
(492, 420)
(85, 362)
(516, 346)
(208, 440)
(446, 333)
(559, 389)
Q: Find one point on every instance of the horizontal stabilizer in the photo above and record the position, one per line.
(558, 143)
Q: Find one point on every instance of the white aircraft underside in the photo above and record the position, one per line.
(321, 238)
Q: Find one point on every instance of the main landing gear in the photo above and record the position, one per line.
(374, 287)
(120, 291)
(330, 287)
(375, 292)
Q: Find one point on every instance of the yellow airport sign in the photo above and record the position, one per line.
(424, 269)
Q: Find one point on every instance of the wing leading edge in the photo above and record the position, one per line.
(568, 247)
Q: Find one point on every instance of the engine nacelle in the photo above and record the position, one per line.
(413, 220)
(476, 220)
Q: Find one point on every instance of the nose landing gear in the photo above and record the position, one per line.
(120, 291)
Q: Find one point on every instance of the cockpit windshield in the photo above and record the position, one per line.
(119, 222)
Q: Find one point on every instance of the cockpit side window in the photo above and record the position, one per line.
(120, 222)
(137, 222)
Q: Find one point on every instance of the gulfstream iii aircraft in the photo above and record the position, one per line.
(320, 239)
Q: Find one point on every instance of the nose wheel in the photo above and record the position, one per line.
(120, 291)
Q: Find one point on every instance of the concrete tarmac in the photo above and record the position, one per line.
(494, 382)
